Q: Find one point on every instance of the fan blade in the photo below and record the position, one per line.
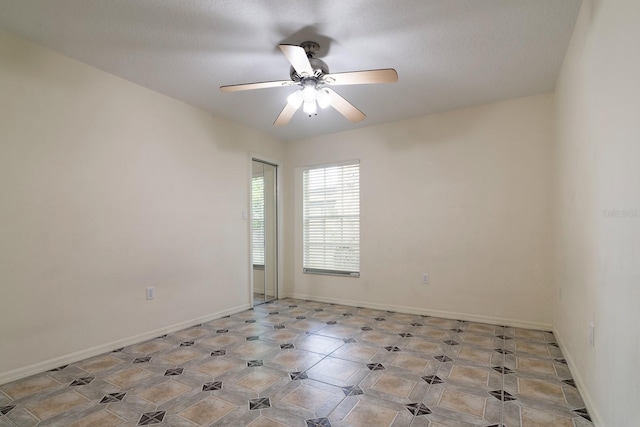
(344, 107)
(259, 85)
(298, 59)
(285, 115)
(387, 75)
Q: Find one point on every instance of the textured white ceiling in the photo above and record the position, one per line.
(448, 53)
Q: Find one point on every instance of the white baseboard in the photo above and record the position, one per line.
(428, 312)
(584, 392)
(45, 365)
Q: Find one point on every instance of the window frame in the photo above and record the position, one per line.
(307, 266)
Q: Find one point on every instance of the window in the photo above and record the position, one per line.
(331, 220)
(257, 219)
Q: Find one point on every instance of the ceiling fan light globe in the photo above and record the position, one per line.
(295, 99)
(310, 108)
(309, 92)
(323, 98)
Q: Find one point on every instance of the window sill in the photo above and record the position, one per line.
(353, 274)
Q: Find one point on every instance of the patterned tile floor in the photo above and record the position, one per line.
(301, 363)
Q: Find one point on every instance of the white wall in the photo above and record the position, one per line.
(598, 170)
(107, 188)
(464, 196)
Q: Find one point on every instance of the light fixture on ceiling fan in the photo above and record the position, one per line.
(313, 78)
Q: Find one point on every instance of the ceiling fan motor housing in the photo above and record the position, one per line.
(320, 68)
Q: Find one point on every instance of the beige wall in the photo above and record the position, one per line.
(598, 172)
(463, 196)
(107, 188)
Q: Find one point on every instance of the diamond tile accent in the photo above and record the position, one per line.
(278, 327)
(570, 382)
(583, 413)
(4, 410)
(113, 397)
(286, 346)
(503, 370)
(273, 312)
(59, 368)
(331, 322)
(502, 395)
(222, 331)
(149, 418)
(82, 381)
(293, 306)
(457, 330)
(301, 317)
(298, 376)
(502, 351)
(405, 335)
(367, 328)
(215, 385)
(451, 342)
(187, 343)
(318, 422)
(173, 371)
(563, 361)
(347, 314)
(141, 359)
(443, 358)
(433, 379)
(504, 337)
(352, 391)
(392, 348)
(379, 319)
(260, 403)
(253, 338)
(250, 321)
(162, 336)
(117, 350)
(375, 366)
(417, 324)
(418, 409)
(254, 363)
(219, 352)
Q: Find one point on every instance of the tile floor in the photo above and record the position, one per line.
(301, 363)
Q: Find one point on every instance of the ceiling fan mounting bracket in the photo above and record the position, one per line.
(310, 48)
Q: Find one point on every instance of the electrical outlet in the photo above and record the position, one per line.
(425, 278)
(151, 292)
(592, 334)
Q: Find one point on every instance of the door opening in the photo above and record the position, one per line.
(264, 231)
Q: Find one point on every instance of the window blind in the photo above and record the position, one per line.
(331, 220)
(257, 219)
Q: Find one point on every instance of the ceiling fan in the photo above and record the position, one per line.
(312, 77)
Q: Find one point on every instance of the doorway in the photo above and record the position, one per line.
(264, 232)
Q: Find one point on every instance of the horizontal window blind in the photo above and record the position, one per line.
(331, 220)
(257, 219)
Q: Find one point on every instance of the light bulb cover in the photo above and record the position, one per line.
(295, 99)
(323, 97)
(310, 108)
(309, 91)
